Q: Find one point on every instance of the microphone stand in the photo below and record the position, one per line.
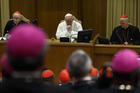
(71, 37)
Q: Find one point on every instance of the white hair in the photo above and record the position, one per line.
(79, 64)
(124, 19)
(22, 17)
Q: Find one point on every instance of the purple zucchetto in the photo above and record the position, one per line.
(125, 61)
(26, 41)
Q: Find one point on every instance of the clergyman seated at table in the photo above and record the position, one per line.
(17, 19)
(69, 27)
(125, 33)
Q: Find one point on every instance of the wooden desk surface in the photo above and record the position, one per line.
(57, 42)
(2, 47)
(116, 46)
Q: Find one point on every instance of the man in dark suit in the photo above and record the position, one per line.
(79, 67)
(125, 33)
(17, 19)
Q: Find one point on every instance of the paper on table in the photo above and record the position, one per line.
(72, 39)
(3, 38)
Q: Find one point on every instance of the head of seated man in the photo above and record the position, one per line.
(17, 17)
(124, 22)
(79, 66)
(69, 19)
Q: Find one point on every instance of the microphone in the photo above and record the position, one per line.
(72, 39)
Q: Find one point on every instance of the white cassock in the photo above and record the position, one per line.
(63, 32)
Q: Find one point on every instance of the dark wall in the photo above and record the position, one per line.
(92, 13)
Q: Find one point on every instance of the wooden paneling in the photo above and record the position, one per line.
(92, 13)
(2, 50)
(89, 13)
(101, 17)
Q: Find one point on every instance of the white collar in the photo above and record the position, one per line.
(87, 78)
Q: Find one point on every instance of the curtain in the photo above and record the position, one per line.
(4, 11)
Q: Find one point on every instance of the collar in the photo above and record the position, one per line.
(87, 78)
